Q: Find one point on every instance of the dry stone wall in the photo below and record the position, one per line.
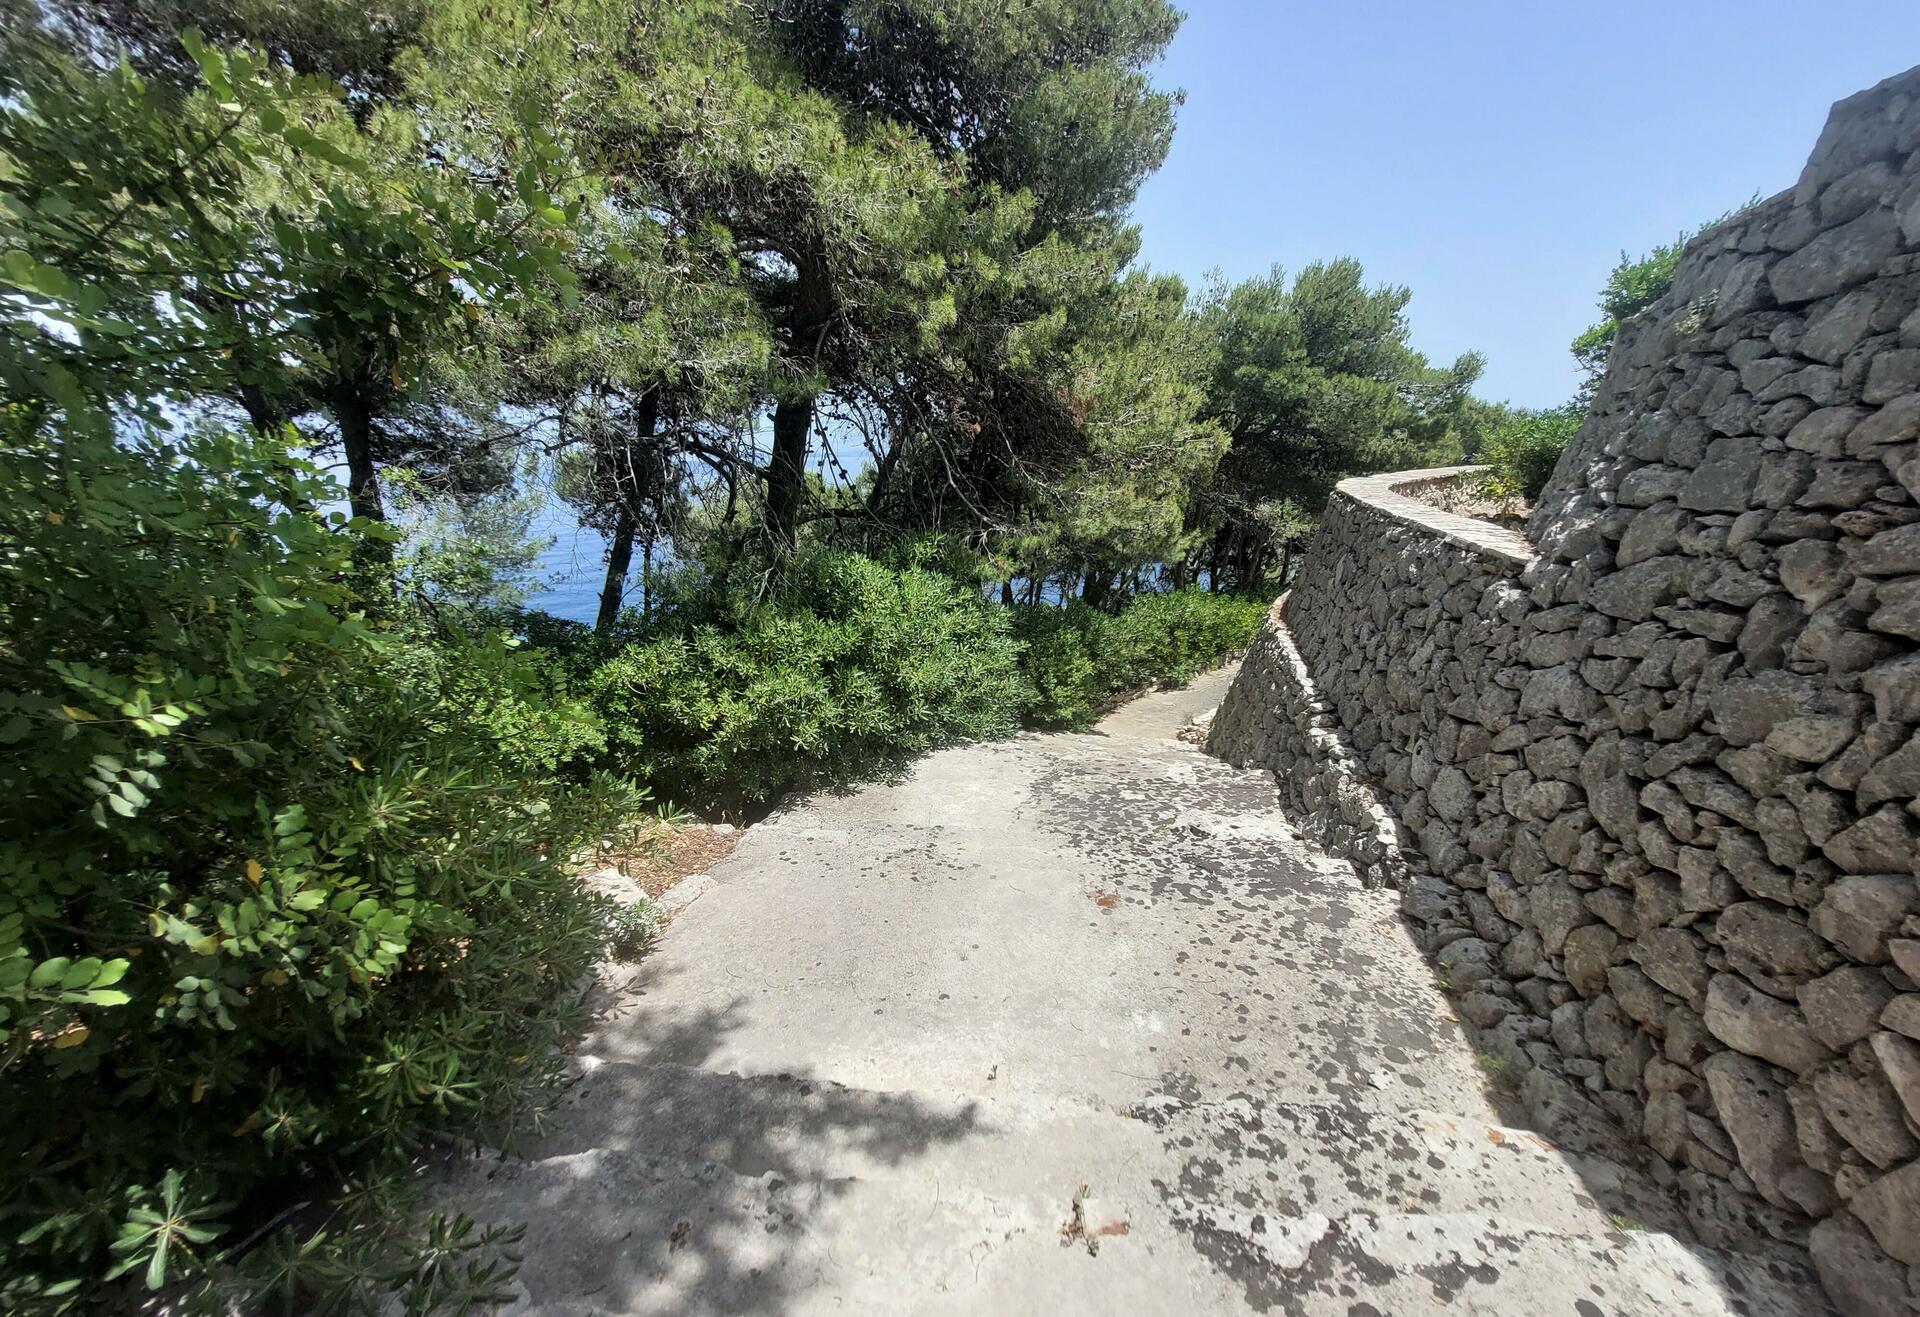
(1649, 783)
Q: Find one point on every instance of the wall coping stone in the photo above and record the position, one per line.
(1383, 494)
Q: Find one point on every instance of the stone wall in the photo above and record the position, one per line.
(1650, 790)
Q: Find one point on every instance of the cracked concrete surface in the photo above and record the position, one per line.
(871, 1066)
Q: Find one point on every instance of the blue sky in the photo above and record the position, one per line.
(1495, 158)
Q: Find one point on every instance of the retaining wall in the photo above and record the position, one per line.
(1650, 789)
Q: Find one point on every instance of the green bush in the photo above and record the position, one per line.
(1523, 448)
(853, 666)
(514, 704)
(276, 899)
(1079, 660)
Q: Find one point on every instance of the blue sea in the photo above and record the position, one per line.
(573, 567)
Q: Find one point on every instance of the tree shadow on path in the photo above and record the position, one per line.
(667, 1187)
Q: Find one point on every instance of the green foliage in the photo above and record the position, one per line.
(1079, 660)
(1631, 287)
(1051, 96)
(291, 802)
(1315, 382)
(851, 667)
(250, 240)
(274, 893)
(1522, 448)
(475, 554)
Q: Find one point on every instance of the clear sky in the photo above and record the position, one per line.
(1494, 157)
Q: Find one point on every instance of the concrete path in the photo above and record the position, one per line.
(1067, 1024)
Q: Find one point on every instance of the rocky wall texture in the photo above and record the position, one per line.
(1650, 790)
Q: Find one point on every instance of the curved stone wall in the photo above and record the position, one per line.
(1651, 792)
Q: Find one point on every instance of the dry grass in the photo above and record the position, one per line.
(667, 852)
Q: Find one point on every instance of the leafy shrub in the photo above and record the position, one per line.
(515, 704)
(1079, 660)
(1523, 449)
(853, 666)
(275, 899)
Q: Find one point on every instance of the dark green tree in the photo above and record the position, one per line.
(1315, 381)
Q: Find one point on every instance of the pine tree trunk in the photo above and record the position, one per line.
(619, 560)
(355, 419)
(787, 474)
(646, 575)
(627, 524)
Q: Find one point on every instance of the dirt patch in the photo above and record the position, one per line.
(665, 853)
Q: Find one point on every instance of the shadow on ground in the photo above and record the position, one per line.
(667, 1187)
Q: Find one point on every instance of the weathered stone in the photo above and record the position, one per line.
(1842, 485)
(1767, 938)
(1758, 769)
(1894, 552)
(1451, 794)
(1895, 776)
(1899, 610)
(1824, 432)
(1745, 709)
(1812, 739)
(1857, 1274)
(1895, 687)
(1892, 375)
(1858, 914)
(1611, 795)
(1483, 1010)
(1890, 1207)
(1858, 1101)
(1753, 1108)
(1814, 571)
(1588, 950)
(1651, 533)
(1902, 1015)
(1467, 960)
(1837, 330)
(1557, 910)
(1559, 691)
(1639, 996)
(1882, 841)
(1821, 1146)
(1896, 423)
(1723, 482)
(1523, 957)
(1636, 591)
(1837, 259)
(1899, 1058)
(1745, 1018)
(1656, 901)
(1843, 1007)
(1673, 958)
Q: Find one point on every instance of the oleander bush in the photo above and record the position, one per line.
(1079, 661)
(279, 896)
(851, 666)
